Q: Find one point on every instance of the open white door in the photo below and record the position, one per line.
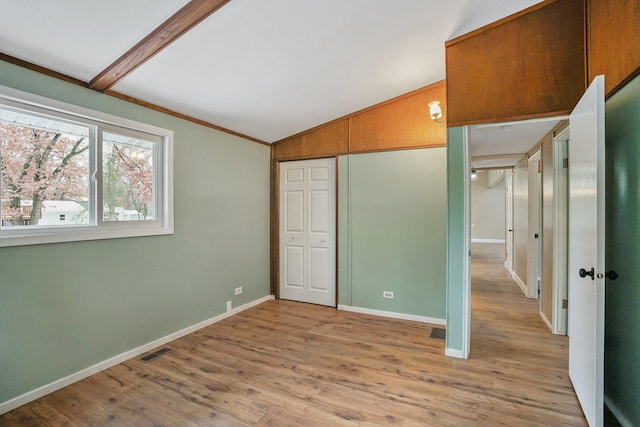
(586, 251)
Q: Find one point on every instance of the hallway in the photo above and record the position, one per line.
(507, 332)
(505, 324)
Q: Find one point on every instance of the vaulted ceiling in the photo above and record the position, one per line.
(264, 69)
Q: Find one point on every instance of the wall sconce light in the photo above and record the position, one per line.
(474, 175)
(435, 111)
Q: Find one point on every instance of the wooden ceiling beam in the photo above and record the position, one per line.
(68, 79)
(182, 21)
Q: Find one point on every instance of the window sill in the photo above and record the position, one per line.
(38, 237)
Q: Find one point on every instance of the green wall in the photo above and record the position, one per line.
(344, 232)
(392, 231)
(457, 174)
(622, 299)
(68, 306)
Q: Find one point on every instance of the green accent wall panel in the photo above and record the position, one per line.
(622, 298)
(344, 232)
(396, 231)
(456, 258)
(67, 306)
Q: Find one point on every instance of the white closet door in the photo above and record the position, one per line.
(308, 231)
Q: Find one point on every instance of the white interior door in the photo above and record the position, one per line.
(308, 231)
(586, 251)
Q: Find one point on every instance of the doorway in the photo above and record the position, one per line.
(509, 221)
(554, 296)
(507, 146)
(308, 231)
(534, 249)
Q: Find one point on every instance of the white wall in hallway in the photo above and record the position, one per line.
(487, 209)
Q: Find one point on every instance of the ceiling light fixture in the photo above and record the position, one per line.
(435, 111)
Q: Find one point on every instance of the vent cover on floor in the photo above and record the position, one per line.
(149, 357)
(438, 333)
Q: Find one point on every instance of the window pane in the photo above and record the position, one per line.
(44, 170)
(128, 190)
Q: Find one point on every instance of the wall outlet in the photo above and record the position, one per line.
(238, 290)
(387, 294)
(229, 306)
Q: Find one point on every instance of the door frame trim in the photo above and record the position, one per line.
(337, 222)
(534, 222)
(275, 229)
(560, 231)
(275, 225)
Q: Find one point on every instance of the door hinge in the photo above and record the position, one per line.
(565, 163)
(565, 304)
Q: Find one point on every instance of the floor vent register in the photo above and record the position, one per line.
(438, 334)
(149, 357)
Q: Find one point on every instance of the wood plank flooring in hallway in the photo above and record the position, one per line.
(294, 364)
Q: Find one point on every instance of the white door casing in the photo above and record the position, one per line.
(586, 251)
(560, 218)
(509, 221)
(535, 228)
(308, 231)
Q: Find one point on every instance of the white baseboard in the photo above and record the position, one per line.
(101, 366)
(487, 240)
(415, 318)
(624, 422)
(546, 321)
(452, 352)
(520, 283)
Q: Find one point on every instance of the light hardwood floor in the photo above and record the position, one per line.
(294, 364)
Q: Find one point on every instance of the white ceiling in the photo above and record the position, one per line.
(498, 145)
(266, 69)
(76, 37)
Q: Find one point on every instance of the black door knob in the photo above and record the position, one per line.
(585, 273)
(611, 275)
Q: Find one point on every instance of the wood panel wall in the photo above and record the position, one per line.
(531, 64)
(400, 123)
(613, 41)
(327, 140)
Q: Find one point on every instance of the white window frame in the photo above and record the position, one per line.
(97, 228)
